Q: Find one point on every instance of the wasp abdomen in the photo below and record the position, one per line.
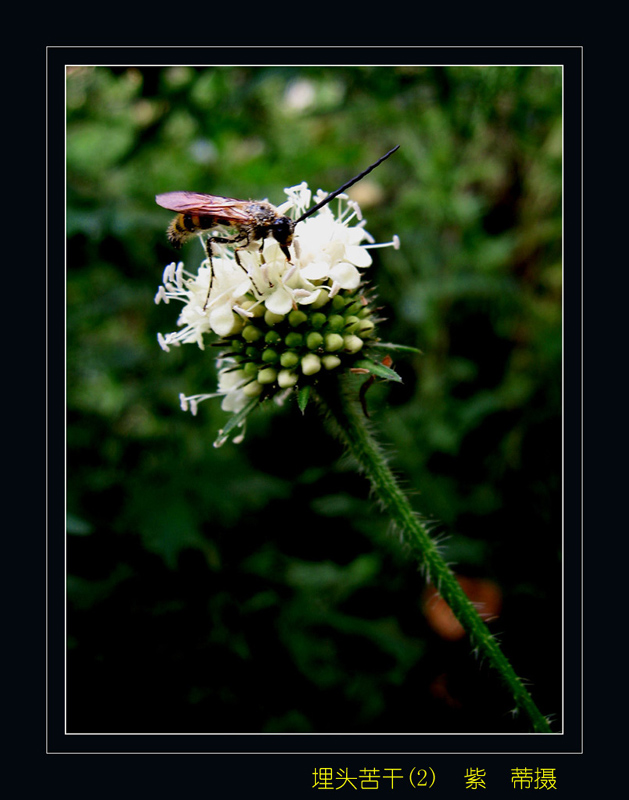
(184, 226)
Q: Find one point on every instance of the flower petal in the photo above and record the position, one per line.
(280, 301)
(346, 275)
(223, 321)
(316, 270)
(358, 256)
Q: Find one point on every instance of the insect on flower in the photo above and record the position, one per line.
(251, 220)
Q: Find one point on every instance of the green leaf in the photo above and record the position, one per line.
(399, 348)
(303, 395)
(379, 370)
(237, 420)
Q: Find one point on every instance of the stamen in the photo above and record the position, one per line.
(244, 312)
(179, 275)
(395, 243)
(169, 272)
(161, 295)
(162, 343)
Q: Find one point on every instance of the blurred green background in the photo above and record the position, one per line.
(255, 588)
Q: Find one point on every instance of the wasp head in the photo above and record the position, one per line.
(283, 229)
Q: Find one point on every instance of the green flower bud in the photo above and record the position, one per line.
(333, 341)
(310, 364)
(296, 317)
(314, 340)
(252, 389)
(270, 356)
(351, 324)
(267, 375)
(355, 307)
(272, 319)
(330, 362)
(365, 327)
(352, 344)
(272, 337)
(294, 339)
(287, 378)
(289, 358)
(318, 320)
(250, 333)
(237, 345)
(336, 322)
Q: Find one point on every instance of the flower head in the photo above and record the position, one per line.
(281, 324)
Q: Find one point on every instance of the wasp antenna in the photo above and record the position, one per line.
(345, 186)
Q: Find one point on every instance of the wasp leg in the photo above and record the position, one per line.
(240, 264)
(207, 244)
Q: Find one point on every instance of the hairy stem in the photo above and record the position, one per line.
(348, 422)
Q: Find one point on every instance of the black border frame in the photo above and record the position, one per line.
(322, 750)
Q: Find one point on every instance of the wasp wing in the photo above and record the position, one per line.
(204, 205)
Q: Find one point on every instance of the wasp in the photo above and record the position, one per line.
(250, 220)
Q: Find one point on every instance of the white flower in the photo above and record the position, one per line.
(328, 254)
(202, 314)
(231, 387)
(245, 301)
(330, 249)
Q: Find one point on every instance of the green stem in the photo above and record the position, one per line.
(349, 424)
